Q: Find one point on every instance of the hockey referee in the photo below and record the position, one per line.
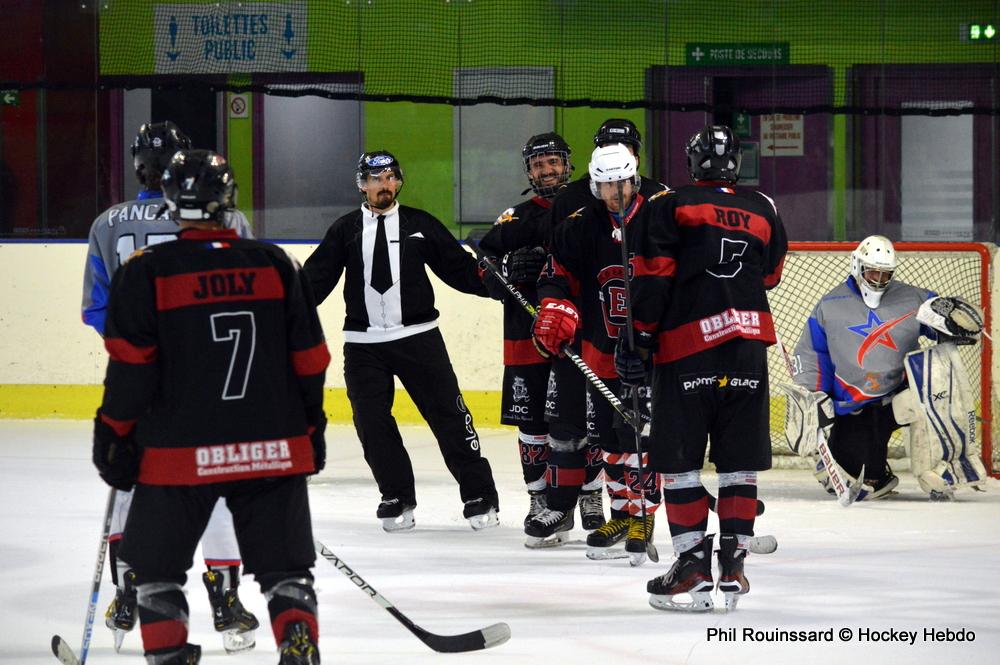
(391, 330)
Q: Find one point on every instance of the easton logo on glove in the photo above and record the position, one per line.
(556, 324)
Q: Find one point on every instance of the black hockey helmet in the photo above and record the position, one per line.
(549, 143)
(152, 149)
(618, 130)
(376, 163)
(714, 153)
(198, 185)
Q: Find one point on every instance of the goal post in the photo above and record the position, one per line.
(950, 269)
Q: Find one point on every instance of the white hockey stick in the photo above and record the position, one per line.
(60, 648)
(846, 491)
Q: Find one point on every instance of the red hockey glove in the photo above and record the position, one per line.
(555, 325)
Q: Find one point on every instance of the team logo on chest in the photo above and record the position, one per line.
(611, 291)
(876, 333)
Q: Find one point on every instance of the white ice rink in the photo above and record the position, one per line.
(902, 564)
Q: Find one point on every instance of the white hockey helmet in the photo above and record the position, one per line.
(612, 163)
(873, 263)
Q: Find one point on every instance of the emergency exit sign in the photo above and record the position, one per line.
(702, 54)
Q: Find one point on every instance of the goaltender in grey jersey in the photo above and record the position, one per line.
(119, 231)
(854, 353)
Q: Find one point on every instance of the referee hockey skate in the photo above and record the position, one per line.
(298, 647)
(549, 529)
(691, 574)
(602, 541)
(732, 582)
(481, 514)
(395, 515)
(121, 614)
(235, 622)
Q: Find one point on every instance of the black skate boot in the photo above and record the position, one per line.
(298, 648)
(235, 622)
(601, 542)
(121, 613)
(691, 574)
(189, 655)
(395, 515)
(732, 581)
(591, 505)
(481, 514)
(640, 532)
(549, 529)
(538, 503)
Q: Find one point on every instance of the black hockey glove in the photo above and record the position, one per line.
(522, 266)
(116, 457)
(317, 436)
(633, 365)
(493, 285)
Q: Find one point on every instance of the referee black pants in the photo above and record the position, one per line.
(421, 362)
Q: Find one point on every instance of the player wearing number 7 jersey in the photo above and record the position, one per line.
(114, 236)
(214, 391)
(125, 227)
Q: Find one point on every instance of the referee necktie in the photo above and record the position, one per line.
(381, 271)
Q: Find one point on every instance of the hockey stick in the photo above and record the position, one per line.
(484, 638)
(630, 338)
(846, 492)
(60, 648)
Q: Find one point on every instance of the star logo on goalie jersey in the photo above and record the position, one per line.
(876, 333)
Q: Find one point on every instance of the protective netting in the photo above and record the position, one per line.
(812, 269)
(852, 56)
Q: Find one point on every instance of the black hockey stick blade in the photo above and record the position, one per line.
(63, 652)
(484, 638)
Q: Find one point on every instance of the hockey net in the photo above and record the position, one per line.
(950, 269)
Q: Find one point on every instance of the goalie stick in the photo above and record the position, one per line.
(758, 545)
(62, 650)
(846, 492)
(484, 638)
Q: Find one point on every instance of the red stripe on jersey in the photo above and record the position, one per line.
(521, 352)
(771, 281)
(225, 462)
(163, 634)
(602, 363)
(711, 331)
(121, 427)
(126, 352)
(733, 219)
(737, 507)
(688, 514)
(661, 265)
(279, 624)
(574, 283)
(311, 361)
(212, 286)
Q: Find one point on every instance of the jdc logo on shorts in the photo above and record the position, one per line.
(520, 390)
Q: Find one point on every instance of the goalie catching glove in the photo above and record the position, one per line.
(953, 317)
(555, 325)
(807, 414)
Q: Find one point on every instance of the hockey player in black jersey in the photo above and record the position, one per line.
(214, 390)
(581, 293)
(714, 252)
(519, 242)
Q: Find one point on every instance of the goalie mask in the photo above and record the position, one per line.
(612, 163)
(714, 153)
(546, 163)
(152, 149)
(873, 264)
(198, 185)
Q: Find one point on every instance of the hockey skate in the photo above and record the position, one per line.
(235, 622)
(591, 506)
(481, 514)
(121, 614)
(691, 574)
(732, 582)
(395, 515)
(640, 532)
(549, 529)
(601, 542)
(539, 502)
(298, 648)
(880, 489)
